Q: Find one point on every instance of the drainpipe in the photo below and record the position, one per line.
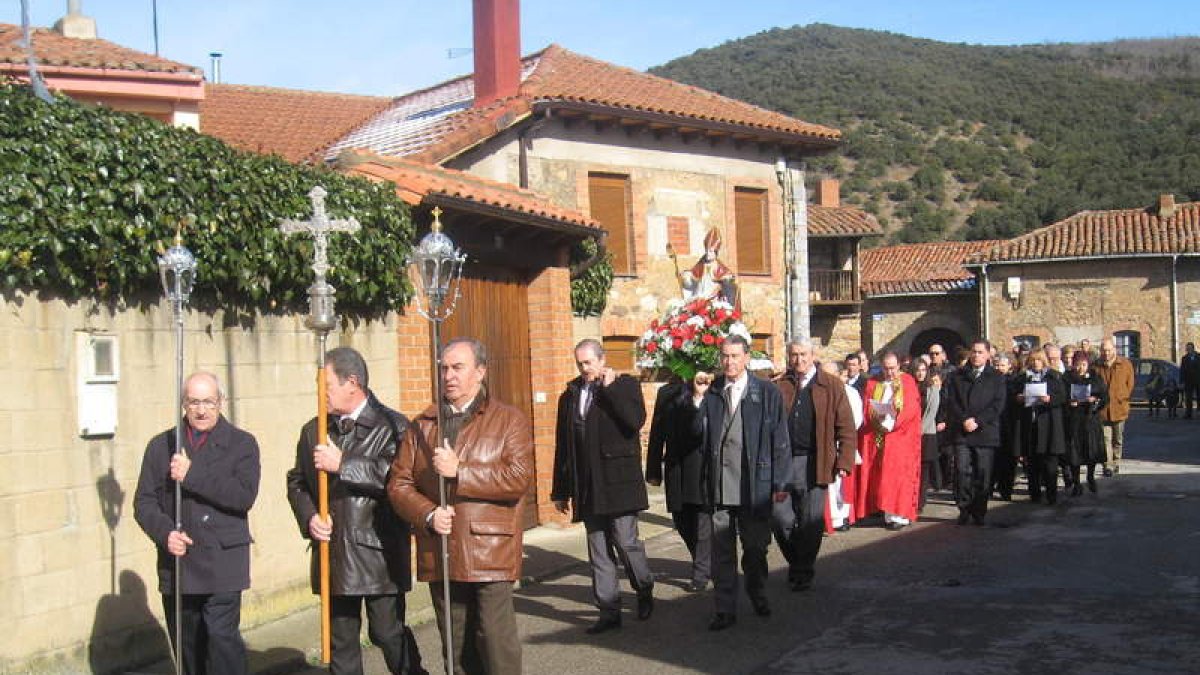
(985, 329)
(795, 237)
(1174, 309)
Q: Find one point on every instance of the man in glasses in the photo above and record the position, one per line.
(218, 472)
(939, 363)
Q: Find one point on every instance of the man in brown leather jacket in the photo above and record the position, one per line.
(487, 461)
(368, 544)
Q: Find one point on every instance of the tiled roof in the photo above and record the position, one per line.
(415, 181)
(437, 123)
(52, 49)
(1126, 232)
(292, 124)
(920, 268)
(841, 221)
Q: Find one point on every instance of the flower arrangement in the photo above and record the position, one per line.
(688, 338)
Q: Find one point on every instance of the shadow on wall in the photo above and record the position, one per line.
(124, 631)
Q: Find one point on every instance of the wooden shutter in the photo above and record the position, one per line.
(608, 195)
(750, 221)
(618, 353)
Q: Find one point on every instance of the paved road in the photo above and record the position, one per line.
(1106, 583)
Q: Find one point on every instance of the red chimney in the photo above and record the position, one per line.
(497, 50)
(828, 192)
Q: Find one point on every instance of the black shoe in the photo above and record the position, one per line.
(1116, 470)
(721, 621)
(1107, 472)
(799, 586)
(761, 606)
(645, 605)
(844, 527)
(697, 586)
(963, 517)
(1076, 490)
(1092, 485)
(604, 624)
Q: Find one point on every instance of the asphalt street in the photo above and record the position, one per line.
(1105, 583)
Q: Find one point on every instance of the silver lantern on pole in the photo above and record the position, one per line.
(177, 269)
(435, 268)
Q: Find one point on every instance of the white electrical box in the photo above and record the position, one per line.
(99, 370)
(1014, 287)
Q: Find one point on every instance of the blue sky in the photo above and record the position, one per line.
(389, 47)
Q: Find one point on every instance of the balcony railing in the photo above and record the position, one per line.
(833, 287)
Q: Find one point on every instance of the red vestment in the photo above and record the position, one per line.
(890, 480)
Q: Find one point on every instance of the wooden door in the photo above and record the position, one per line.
(494, 309)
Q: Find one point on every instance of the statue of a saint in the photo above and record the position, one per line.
(709, 277)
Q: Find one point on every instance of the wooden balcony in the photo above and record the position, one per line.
(833, 287)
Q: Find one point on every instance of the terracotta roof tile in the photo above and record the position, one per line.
(920, 268)
(53, 49)
(292, 124)
(438, 123)
(1090, 234)
(415, 181)
(841, 221)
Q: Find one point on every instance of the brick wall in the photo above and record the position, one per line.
(552, 365)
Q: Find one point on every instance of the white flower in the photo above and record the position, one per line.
(697, 321)
(738, 328)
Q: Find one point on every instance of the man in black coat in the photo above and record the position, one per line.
(369, 561)
(671, 428)
(218, 473)
(975, 400)
(1189, 372)
(748, 468)
(598, 473)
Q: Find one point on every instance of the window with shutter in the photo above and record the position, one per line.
(750, 221)
(608, 195)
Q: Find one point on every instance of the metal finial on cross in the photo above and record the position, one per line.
(319, 226)
(436, 226)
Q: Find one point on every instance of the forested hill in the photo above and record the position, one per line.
(975, 142)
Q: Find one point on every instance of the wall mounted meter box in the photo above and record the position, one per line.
(99, 359)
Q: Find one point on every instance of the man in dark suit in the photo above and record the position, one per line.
(369, 562)
(748, 466)
(598, 473)
(683, 461)
(975, 398)
(218, 473)
(856, 372)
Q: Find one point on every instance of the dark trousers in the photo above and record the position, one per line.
(483, 625)
(799, 522)
(1191, 392)
(611, 538)
(729, 525)
(931, 479)
(973, 478)
(385, 628)
(1004, 472)
(694, 525)
(212, 642)
(1042, 471)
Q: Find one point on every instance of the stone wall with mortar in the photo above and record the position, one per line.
(78, 589)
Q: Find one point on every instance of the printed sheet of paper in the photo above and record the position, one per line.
(1080, 392)
(1033, 393)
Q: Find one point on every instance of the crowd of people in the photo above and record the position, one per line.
(744, 460)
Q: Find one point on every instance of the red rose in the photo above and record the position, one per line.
(677, 343)
(720, 314)
(737, 315)
(708, 339)
(651, 347)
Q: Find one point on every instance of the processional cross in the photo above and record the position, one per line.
(321, 319)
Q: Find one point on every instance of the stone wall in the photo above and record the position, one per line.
(839, 334)
(892, 323)
(1065, 302)
(78, 589)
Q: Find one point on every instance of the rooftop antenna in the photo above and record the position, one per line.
(154, 7)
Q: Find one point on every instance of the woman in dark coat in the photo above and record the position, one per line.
(930, 386)
(1087, 395)
(1041, 439)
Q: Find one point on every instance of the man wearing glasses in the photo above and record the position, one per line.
(938, 362)
(218, 472)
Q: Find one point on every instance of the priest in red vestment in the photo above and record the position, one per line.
(892, 437)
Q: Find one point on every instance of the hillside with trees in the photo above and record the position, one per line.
(956, 141)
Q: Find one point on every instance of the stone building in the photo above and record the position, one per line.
(1130, 274)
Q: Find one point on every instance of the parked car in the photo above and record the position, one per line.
(1144, 370)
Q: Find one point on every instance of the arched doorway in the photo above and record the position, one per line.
(950, 340)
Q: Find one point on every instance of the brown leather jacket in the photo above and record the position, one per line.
(495, 471)
(837, 439)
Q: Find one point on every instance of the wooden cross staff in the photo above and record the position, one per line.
(321, 320)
